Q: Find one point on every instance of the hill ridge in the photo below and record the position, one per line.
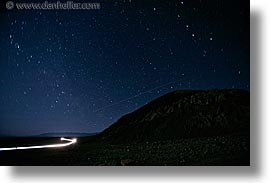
(184, 114)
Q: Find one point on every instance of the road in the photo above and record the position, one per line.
(68, 142)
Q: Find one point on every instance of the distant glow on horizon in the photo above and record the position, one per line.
(71, 71)
(70, 142)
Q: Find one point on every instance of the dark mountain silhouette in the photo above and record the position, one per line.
(184, 114)
(187, 128)
(66, 134)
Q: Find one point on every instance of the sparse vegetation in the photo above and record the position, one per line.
(180, 128)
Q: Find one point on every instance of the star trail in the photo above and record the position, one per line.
(81, 70)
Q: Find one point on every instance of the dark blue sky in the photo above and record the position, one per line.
(81, 70)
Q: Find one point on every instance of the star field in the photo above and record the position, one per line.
(81, 70)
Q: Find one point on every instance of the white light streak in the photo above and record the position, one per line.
(137, 95)
(69, 142)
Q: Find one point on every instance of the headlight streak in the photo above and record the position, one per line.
(69, 142)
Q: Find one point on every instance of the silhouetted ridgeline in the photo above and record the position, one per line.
(184, 114)
(66, 134)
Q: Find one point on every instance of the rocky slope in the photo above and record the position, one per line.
(184, 114)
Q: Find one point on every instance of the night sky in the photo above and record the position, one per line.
(81, 70)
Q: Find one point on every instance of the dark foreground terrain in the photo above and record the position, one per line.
(227, 150)
(185, 127)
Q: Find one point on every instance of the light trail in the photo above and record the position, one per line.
(137, 95)
(69, 142)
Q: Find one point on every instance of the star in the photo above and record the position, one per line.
(66, 67)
